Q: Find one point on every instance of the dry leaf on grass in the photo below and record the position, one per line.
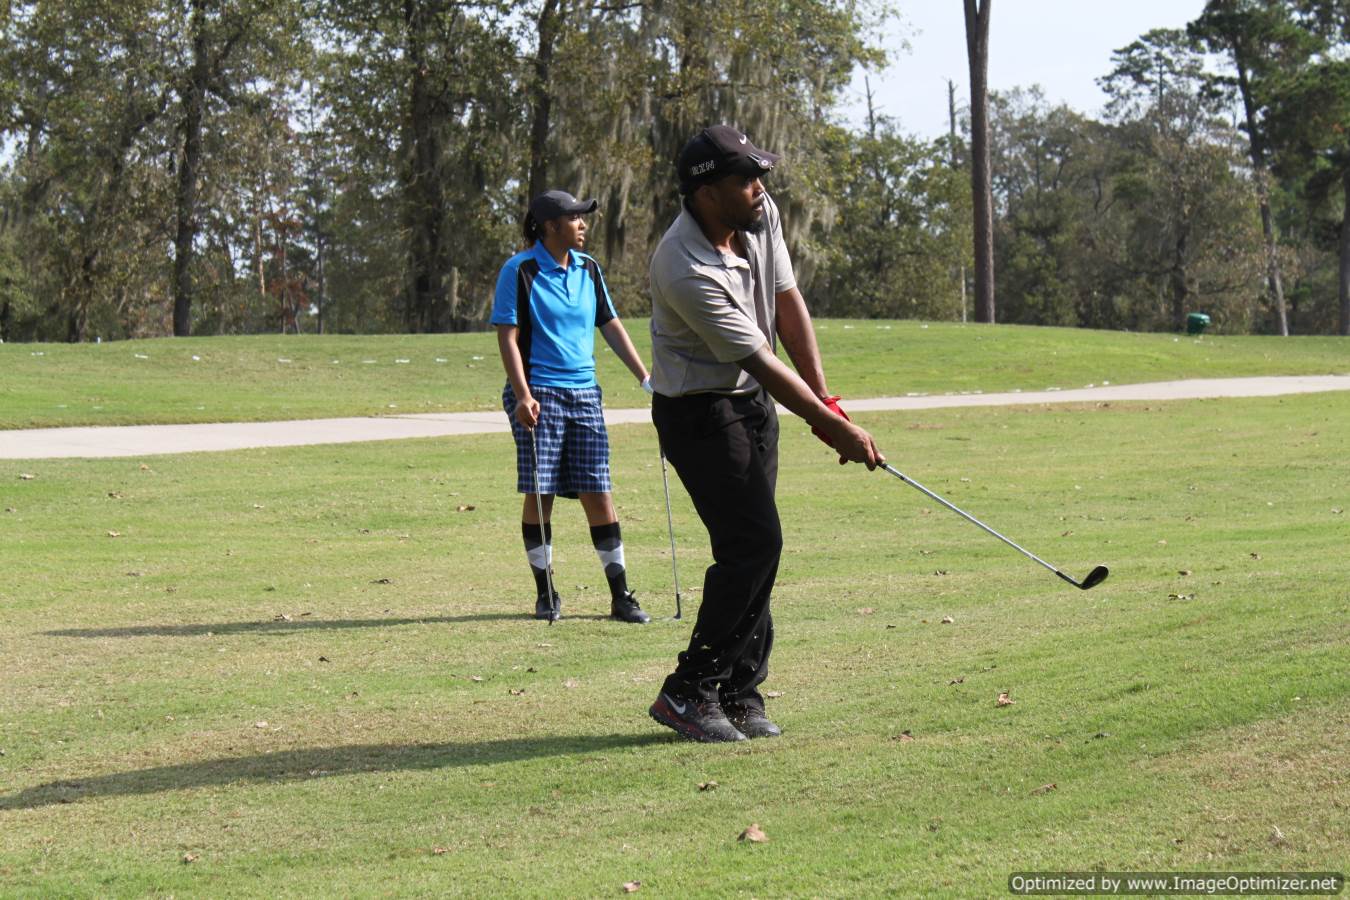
(1046, 788)
(466, 508)
(516, 692)
(25, 476)
(961, 680)
(475, 677)
(438, 851)
(773, 694)
(754, 835)
(1004, 699)
(190, 858)
(383, 581)
(707, 785)
(114, 534)
(903, 736)
(866, 611)
(259, 724)
(947, 620)
(631, 886)
(1180, 596)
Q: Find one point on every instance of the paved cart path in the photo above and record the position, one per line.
(150, 440)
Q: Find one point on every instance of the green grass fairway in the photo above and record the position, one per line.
(309, 672)
(259, 378)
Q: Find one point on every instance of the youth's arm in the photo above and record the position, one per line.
(527, 408)
(617, 337)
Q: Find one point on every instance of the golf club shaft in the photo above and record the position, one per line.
(969, 518)
(670, 527)
(548, 545)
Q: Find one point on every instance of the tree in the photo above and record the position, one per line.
(1255, 35)
(901, 236)
(1042, 169)
(233, 45)
(977, 55)
(1177, 176)
(87, 106)
(1309, 106)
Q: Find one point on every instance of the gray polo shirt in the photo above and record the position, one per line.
(711, 309)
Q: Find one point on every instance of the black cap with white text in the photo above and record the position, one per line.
(718, 151)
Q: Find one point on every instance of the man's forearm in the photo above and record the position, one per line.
(787, 387)
(799, 340)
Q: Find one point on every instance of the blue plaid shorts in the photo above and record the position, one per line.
(573, 443)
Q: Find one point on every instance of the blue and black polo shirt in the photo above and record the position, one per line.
(556, 312)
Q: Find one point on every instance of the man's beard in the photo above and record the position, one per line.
(754, 225)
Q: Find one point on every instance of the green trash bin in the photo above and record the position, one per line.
(1196, 322)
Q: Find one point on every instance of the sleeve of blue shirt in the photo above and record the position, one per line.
(504, 302)
(603, 311)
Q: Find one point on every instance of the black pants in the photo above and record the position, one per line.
(725, 450)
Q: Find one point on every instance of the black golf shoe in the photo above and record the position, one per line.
(626, 609)
(751, 721)
(544, 609)
(694, 720)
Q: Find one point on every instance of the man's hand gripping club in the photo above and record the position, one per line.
(828, 422)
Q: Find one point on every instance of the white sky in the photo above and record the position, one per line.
(1062, 45)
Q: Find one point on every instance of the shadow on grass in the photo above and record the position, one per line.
(320, 762)
(296, 625)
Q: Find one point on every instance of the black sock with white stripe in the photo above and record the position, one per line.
(609, 547)
(539, 551)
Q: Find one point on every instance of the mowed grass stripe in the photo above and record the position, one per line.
(271, 377)
(131, 723)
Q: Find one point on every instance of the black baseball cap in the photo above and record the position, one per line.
(552, 204)
(718, 151)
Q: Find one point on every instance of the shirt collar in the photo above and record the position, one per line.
(546, 260)
(695, 241)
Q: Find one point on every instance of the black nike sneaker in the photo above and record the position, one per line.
(626, 609)
(694, 720)
(751, 721)
(546, 610)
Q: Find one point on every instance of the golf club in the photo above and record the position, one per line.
(543, 533)
(1094, 578)
(670, 527)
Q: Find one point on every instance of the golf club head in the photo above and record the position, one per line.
(1094, 578)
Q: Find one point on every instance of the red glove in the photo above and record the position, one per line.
(833, 404)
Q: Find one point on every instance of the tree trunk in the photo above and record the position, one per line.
(424, 195)
(977, 53)
(1274, 283)
(194, 103)
(1344, 324)
(541, 97)
(1177, 281)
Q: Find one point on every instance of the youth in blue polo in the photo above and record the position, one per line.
(549, 301)
(556, 311)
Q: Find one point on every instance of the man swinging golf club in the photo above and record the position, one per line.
(723, 293)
